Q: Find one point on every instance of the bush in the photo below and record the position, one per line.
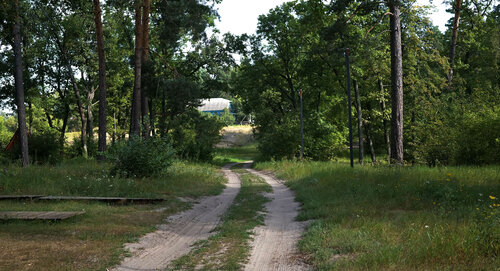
(141, 157)
(195, 135)
(322, 140)
(75, 149)
(479, 139)
(45, 147)
(227, 118)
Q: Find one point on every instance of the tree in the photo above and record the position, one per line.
(18, 76)
(457, 5)
(102, 79)
(135, 118)
(396, 84)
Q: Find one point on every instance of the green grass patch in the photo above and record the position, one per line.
(382, 217)
(90, 178)
(93, 241)
(225, 156)
(230, 247)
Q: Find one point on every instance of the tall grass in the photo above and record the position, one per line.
(89, 178)
(397, 218)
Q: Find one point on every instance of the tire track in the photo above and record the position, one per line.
(275, 243)
(156, 250)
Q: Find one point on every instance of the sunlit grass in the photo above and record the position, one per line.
(383, 217)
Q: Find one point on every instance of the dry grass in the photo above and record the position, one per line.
(236, 136)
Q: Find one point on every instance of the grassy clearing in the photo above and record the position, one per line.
(94, 240)
(90, 178)
(235, 154)
(382, 218)
(229, 248)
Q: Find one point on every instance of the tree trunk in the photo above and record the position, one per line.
(135, 119)
(384, 118)
(368, 129)
(396, 85)
(360, 121)
(64, 125)
(90, 123)
(145, 56)
(103, 106)
(18, 77)
(454, 33)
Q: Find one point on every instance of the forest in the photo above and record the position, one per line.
(141, 67)
(107, 162)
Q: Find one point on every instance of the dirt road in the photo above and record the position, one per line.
(174, 239)
(275, 243)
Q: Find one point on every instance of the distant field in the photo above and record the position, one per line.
(412, 218)
(236, 136)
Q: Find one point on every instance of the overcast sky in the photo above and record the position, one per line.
(240, 16)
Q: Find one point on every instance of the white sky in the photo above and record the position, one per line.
(240, 16)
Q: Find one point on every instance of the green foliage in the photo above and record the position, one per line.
(478, 142)
(195, 135)
(75, 149)
(226, 117)
(45, 147)
(138, 158)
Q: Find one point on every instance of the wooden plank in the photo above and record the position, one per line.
(117, 200)
(19, 197)
(38, 215)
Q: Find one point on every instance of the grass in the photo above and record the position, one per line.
(89, 178)
(93, 241)
(229, 248)
(380, 218)
(224, 156)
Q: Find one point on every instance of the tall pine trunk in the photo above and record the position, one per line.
(103, 106)
(454, 33)
(145, 56)
(135, 118)
(396, 85)
(19, 82)
(360, 122)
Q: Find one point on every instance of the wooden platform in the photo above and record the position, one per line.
(116, 200)
(38, 215)
(20, 197)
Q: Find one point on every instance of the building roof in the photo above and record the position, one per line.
(214, 104)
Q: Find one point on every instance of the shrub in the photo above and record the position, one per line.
(195, 135)
(322, 140)
(75, 149)
(45, 147)
(227, 118)
(141, 157)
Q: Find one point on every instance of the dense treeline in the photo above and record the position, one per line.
(141, 67)
(82, 70)
(450, 80)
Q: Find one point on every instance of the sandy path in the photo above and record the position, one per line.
(174, 239)
(275, 243)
